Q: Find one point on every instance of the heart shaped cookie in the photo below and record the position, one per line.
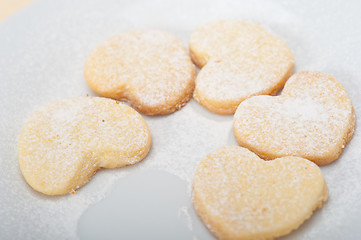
(151, 69)
(240, 196)
(239, 60)
(313, 118)
(64, 142)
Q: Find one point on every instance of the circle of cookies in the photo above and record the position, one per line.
(239, 60)
(236, 194)
(240, 196)
(313, 118)
(150, 69)
(65, 142)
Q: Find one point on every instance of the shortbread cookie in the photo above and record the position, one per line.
(240, 196)
(240, 60)
(150, 69)
(312, 118)
(65, 142)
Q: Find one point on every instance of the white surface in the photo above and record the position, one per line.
(43, 48)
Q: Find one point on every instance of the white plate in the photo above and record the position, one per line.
(43, 48)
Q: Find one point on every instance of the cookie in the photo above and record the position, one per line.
(150, 69)
(65, 142)
(239, 60)
(240, 196)
(313, 118)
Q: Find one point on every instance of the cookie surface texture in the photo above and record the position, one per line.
(240, 196)
(150, 69)
(313, 118)
(64, 142)
(239, 60)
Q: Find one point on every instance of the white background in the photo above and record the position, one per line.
(43, 48)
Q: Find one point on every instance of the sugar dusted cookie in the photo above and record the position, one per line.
(240, 196)
(239, 60)
(312, 118)
(150, 69)
(65, 142)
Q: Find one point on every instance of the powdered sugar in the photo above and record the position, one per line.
(149, 68)
(242, 59)
(65, 142)
(44, 48)
(312, 118)
(239, 194)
